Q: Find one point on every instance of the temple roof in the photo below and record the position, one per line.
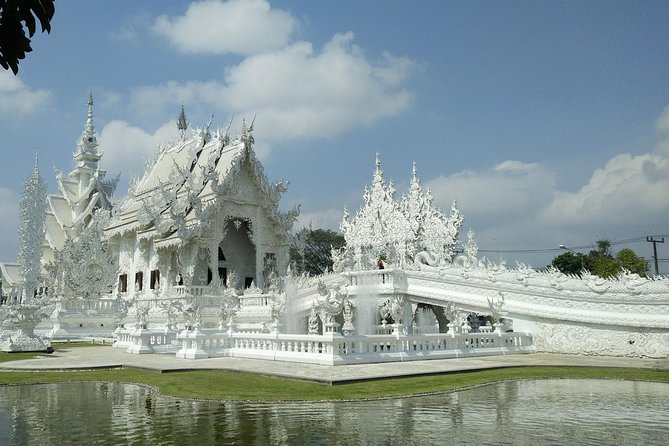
(60, 209)
(11, 276)
(190, 171)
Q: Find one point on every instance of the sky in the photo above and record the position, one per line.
(547, 121)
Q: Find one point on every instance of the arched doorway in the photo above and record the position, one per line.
(238, 252)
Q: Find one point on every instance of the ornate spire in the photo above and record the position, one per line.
(88, 143)
(378, 173)
(414, 184)
(32, 213)
(182, 122)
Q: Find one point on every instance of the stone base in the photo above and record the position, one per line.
(25, 344)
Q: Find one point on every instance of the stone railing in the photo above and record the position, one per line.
(195, 290)
(334, 349)
(96, 305)
(370, 277)
(141, 340)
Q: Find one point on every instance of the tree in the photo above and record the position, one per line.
(629, 260)
(315, 255)
(570, 263)
(15, 15)
(601, 261)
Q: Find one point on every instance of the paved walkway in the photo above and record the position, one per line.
(78, 358)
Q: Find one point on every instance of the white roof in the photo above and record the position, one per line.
(11, 275)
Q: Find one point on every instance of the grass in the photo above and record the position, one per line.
(226, 385)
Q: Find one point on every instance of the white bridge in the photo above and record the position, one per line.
(543, 311)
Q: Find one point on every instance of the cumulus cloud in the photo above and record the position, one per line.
(625, 189)
(662, 129)
(298, 92)
(236, 26)
(326, 219)
(127, 148)
(515, 205)
(17, 98)
(662, 123)
(510, 191)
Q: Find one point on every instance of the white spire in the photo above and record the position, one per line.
(88, 143)
(32, 213)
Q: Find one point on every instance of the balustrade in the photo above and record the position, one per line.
(337, 349)
(371, 277)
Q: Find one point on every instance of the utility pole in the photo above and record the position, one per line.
(655, 241)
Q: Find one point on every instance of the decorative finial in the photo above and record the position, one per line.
(182, 122)
(36, 170)
(88, 143)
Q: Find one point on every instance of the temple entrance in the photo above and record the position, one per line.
(222, 266)
(237, 254)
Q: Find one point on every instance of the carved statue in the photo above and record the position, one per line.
(332, 301)
(313, 321)
(348, 328)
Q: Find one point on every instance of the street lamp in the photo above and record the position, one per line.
(578, 254)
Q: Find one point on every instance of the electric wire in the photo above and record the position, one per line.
(575, 248)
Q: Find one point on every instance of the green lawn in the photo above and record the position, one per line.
(225, 385)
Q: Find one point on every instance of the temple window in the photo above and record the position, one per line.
(155, 278)
(139, 279)
(123, 283)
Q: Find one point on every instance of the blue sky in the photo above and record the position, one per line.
(547, 121)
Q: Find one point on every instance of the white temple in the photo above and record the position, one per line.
(194, 263)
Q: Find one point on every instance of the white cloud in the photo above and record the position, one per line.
(517, 206)
(662, 129)
(625, 190)
(236, 26)
(327, 219)
(662, 123)
(508, 192)
(127, 148)
(17, 98)
(8, 225)
(132, 28)
(296, 92)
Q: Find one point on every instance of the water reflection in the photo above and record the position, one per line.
(522, 412)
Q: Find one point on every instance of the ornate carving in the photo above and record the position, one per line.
(409, 231)
(32, 214)
(589, 339)
(85, 267)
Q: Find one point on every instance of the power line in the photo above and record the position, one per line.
(548, 250)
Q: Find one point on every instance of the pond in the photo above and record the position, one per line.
(569, 412)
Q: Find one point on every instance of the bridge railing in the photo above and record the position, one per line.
(370, 277)
(334, 349)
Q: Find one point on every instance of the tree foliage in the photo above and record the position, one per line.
(17, 17)
(601, 261)
(570, 263)
(314, 255)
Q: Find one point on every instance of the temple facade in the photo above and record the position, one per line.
(203, 212)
